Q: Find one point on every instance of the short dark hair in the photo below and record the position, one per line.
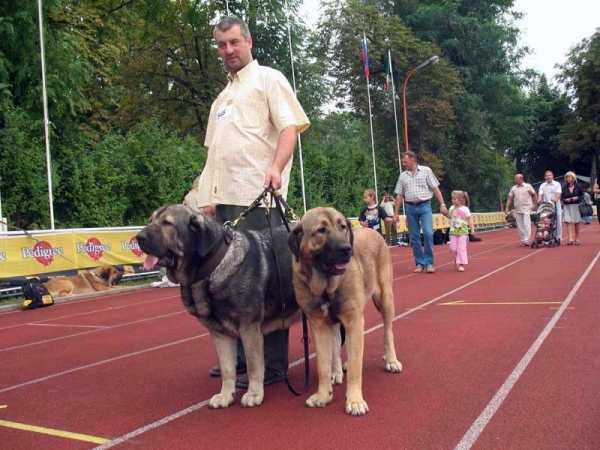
(411, 155)
(229, 22)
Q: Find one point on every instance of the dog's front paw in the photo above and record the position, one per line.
(357, 407)
(249, 400)
(336, 378)
(319, 401)
(392, 366)
(221, 400)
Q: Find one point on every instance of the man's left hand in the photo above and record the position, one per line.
(444, 210)
(273, 178)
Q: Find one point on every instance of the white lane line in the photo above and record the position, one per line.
(62, 325)
(202, 404)
(89, 312)
(452, 263)
(91, 331)
(99, 363)
(486, 415)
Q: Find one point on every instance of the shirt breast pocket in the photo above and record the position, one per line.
(252, 111)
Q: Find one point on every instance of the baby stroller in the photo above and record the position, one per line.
(544, 218)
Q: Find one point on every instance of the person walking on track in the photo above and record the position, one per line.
(416, 185)
(524, 198)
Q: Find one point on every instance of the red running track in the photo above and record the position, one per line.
(503, 356)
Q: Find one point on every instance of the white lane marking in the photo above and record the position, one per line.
(486, 415)
(91, 331)
(99, 363)
(202, 404)
(452, 263)
(87, 313)
(62, 325)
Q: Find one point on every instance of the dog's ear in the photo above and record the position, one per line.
(294, 239)
(206, 231)
(350, 232)
(115, 276)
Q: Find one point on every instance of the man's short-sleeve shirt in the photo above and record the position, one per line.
(522, 197)
(417, 187)
(242, 132)
(547, 192)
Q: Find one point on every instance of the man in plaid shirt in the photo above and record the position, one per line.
(416, 185)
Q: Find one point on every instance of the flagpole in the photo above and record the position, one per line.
(395, 112)
(370, 115)
(396, 120)
(287, 17)
(46, 121)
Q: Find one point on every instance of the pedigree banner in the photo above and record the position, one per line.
(64, 253)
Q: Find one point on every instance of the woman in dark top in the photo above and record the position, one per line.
(596, 195)
(572, 194)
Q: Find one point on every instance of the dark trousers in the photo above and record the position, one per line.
(391, 232)
(276, 343)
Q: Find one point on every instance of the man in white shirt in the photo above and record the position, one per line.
(524, 197)
(550, 191)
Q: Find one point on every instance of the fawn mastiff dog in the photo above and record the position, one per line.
(229, 281)
(101, 278)
(336, 271)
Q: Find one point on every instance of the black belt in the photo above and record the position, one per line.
(417, 203)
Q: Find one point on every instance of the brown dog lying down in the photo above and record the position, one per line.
(102, 278)
(336, 271)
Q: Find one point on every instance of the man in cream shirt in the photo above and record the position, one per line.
(251, 135)
(524, 197)
(550, 191)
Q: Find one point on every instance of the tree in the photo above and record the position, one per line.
(429, 97)
(580, 136)
(549, 111)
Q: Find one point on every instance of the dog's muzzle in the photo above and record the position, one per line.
(335, 259)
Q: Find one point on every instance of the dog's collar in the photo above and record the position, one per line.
(215, 257)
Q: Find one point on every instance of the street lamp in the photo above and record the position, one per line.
(432, 60)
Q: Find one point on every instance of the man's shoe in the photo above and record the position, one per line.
(216, 372)
(430, 269)
(271, 377)
(419, 269)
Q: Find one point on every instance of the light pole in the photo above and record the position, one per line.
(432, 60)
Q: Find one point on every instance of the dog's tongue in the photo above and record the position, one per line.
(341, 266)
(150, 262)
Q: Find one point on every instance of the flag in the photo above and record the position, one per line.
(365, 56)
(388, 72)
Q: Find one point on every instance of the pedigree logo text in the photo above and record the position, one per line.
(132, 246)
(42, 252)
(93, 248)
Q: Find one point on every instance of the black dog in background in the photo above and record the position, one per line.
(441, 237)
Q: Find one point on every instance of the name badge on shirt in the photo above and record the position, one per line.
(225, 110)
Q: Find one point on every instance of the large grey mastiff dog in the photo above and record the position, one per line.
(230, 281)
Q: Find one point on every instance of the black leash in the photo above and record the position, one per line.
(279, 201)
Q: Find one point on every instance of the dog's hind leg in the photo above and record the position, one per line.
(390, 361)
(225, 346)
(384, 301)
(337, 371)
(253, 341)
